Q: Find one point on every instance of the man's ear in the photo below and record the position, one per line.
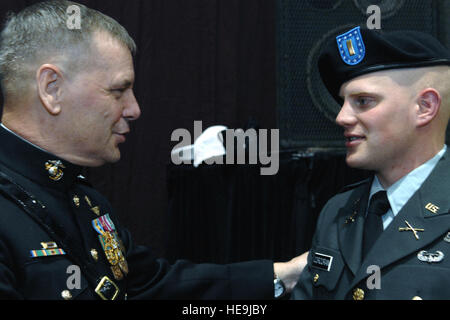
(49, 81)
(429, 102)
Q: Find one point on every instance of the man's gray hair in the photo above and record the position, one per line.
(40, 34)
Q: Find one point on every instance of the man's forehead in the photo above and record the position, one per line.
(378, 81)
(363, 84)
(112, 58)
(107, 48)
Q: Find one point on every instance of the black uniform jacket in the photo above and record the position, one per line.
(47, 240)
(398, 266)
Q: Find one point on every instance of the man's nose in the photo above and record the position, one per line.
(345, 117)
(132, 111)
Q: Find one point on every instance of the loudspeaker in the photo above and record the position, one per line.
(305, 109)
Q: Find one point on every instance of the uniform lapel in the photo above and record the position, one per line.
(393, 245)
(351, 226)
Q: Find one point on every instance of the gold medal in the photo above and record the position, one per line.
(112, 246)
(118, 275)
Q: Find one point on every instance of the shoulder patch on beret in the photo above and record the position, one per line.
(351, 46)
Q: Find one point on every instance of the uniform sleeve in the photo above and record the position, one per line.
(153, 278)
(8, 282)
(304, 288)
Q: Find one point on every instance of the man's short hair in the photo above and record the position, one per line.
(40, 34)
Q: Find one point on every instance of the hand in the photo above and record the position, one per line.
(289, 272)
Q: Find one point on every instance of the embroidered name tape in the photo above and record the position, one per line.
(322, 261)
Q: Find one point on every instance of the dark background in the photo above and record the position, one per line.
(238, 63)
(205, 60)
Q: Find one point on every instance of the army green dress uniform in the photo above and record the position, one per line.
(411, 257)
(409, 267)
(53, 223)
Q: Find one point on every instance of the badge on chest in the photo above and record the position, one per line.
(112, 245)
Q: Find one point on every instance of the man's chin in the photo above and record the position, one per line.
(353, 161)
(112, 158)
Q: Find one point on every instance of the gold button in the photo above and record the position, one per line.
(417, 298)
(66, 295)
(358, 294)
(94, 254)
(76, 201)
(316, 278)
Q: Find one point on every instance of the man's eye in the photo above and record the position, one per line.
(118, 92)
(362, 101)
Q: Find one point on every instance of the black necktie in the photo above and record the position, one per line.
(373, 225)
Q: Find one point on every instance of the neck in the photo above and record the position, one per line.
(391, 174)
(43, 134)
(25, 128)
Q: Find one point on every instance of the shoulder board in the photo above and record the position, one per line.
(355, 185)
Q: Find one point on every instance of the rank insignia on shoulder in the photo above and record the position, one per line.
(351, 46)
(48, 249)
(112, 245)
(430, 257)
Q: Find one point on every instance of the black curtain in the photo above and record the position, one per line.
(229, 213)
(208, 60)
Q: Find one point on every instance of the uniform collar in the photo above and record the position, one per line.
(402, 190)
(35, 163)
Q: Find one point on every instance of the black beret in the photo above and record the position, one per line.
(360, 51)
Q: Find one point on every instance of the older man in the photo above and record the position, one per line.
(68, 103)
(387, 237)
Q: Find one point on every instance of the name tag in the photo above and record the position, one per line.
(322, 261)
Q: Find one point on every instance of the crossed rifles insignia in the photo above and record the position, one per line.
(411, 228)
